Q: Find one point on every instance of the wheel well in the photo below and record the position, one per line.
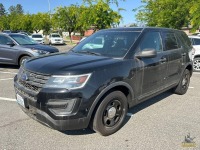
(189, 67)
(21, 57)
(197, 56)
(123, 89)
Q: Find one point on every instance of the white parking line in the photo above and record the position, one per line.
(8, 72)
(7, 99)
(191, 87)
(6, 79)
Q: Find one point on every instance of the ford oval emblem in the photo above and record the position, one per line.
(24, 77)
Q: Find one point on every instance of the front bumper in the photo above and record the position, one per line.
(57, 42)
(39, 106)
(61, 125)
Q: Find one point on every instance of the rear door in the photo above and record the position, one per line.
(8, 54)
(175, 53)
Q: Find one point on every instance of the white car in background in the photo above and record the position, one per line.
(55, 38)
(38, 38)
(196, 44)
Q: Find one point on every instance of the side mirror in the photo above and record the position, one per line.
(11, 44)
(146, 53)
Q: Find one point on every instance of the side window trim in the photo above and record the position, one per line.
(160, 39)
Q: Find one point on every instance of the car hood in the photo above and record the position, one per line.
(42, 47)
(67, 63)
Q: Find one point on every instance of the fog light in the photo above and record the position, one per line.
(61, 107)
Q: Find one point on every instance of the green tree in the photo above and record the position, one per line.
(164, 13)
(18, 9)
(195, 15)
(90, 2)
(26, 23)
(4, 22)
(66, 18)
(41, 21)
(2, 10)
(102, 16)
(15, 21)
(83, 19)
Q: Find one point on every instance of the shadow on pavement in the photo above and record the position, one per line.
(147, 103)
(133, 110)
(8, 66)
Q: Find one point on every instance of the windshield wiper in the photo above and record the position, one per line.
(88, 52)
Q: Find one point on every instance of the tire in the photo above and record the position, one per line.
(196, 64)
(110, 114)
(183, 85)
(24, 58)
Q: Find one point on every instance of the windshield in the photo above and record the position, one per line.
(108, 43)
(55, 35)
(37, 36)
(23, 39)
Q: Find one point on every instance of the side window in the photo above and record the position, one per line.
(4, 40)
(196, 41)
(151, 40)
(170, 41)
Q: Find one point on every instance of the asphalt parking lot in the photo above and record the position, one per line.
(160, 123)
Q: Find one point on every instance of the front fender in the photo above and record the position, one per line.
(103, 92)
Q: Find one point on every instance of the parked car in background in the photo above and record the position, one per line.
(196, 55)
(15, 48)
(96, 85)
(38, 38)
(24, 33)
(55, 38)
(6, 31)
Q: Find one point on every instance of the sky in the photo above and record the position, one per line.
(35, 6)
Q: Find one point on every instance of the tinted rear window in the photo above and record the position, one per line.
(36, 36)
(170, 41)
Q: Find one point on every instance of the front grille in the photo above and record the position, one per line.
(31, 81)
(57, 40)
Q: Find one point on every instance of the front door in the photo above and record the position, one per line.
(152, 71)
(8, 53)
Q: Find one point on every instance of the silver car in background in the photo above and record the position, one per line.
(15, 48)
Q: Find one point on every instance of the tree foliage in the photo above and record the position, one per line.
(18, 9)
(74, 18)
(2, 10)
(195, 14)
(41, 21)
(66, 18)
(165, 13)
(102, 16)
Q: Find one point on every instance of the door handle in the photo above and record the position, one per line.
(163, 60)
(184, 54)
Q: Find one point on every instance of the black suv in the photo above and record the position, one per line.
(95, 84)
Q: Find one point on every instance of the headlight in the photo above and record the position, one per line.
(40, 51)
(68, 82)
